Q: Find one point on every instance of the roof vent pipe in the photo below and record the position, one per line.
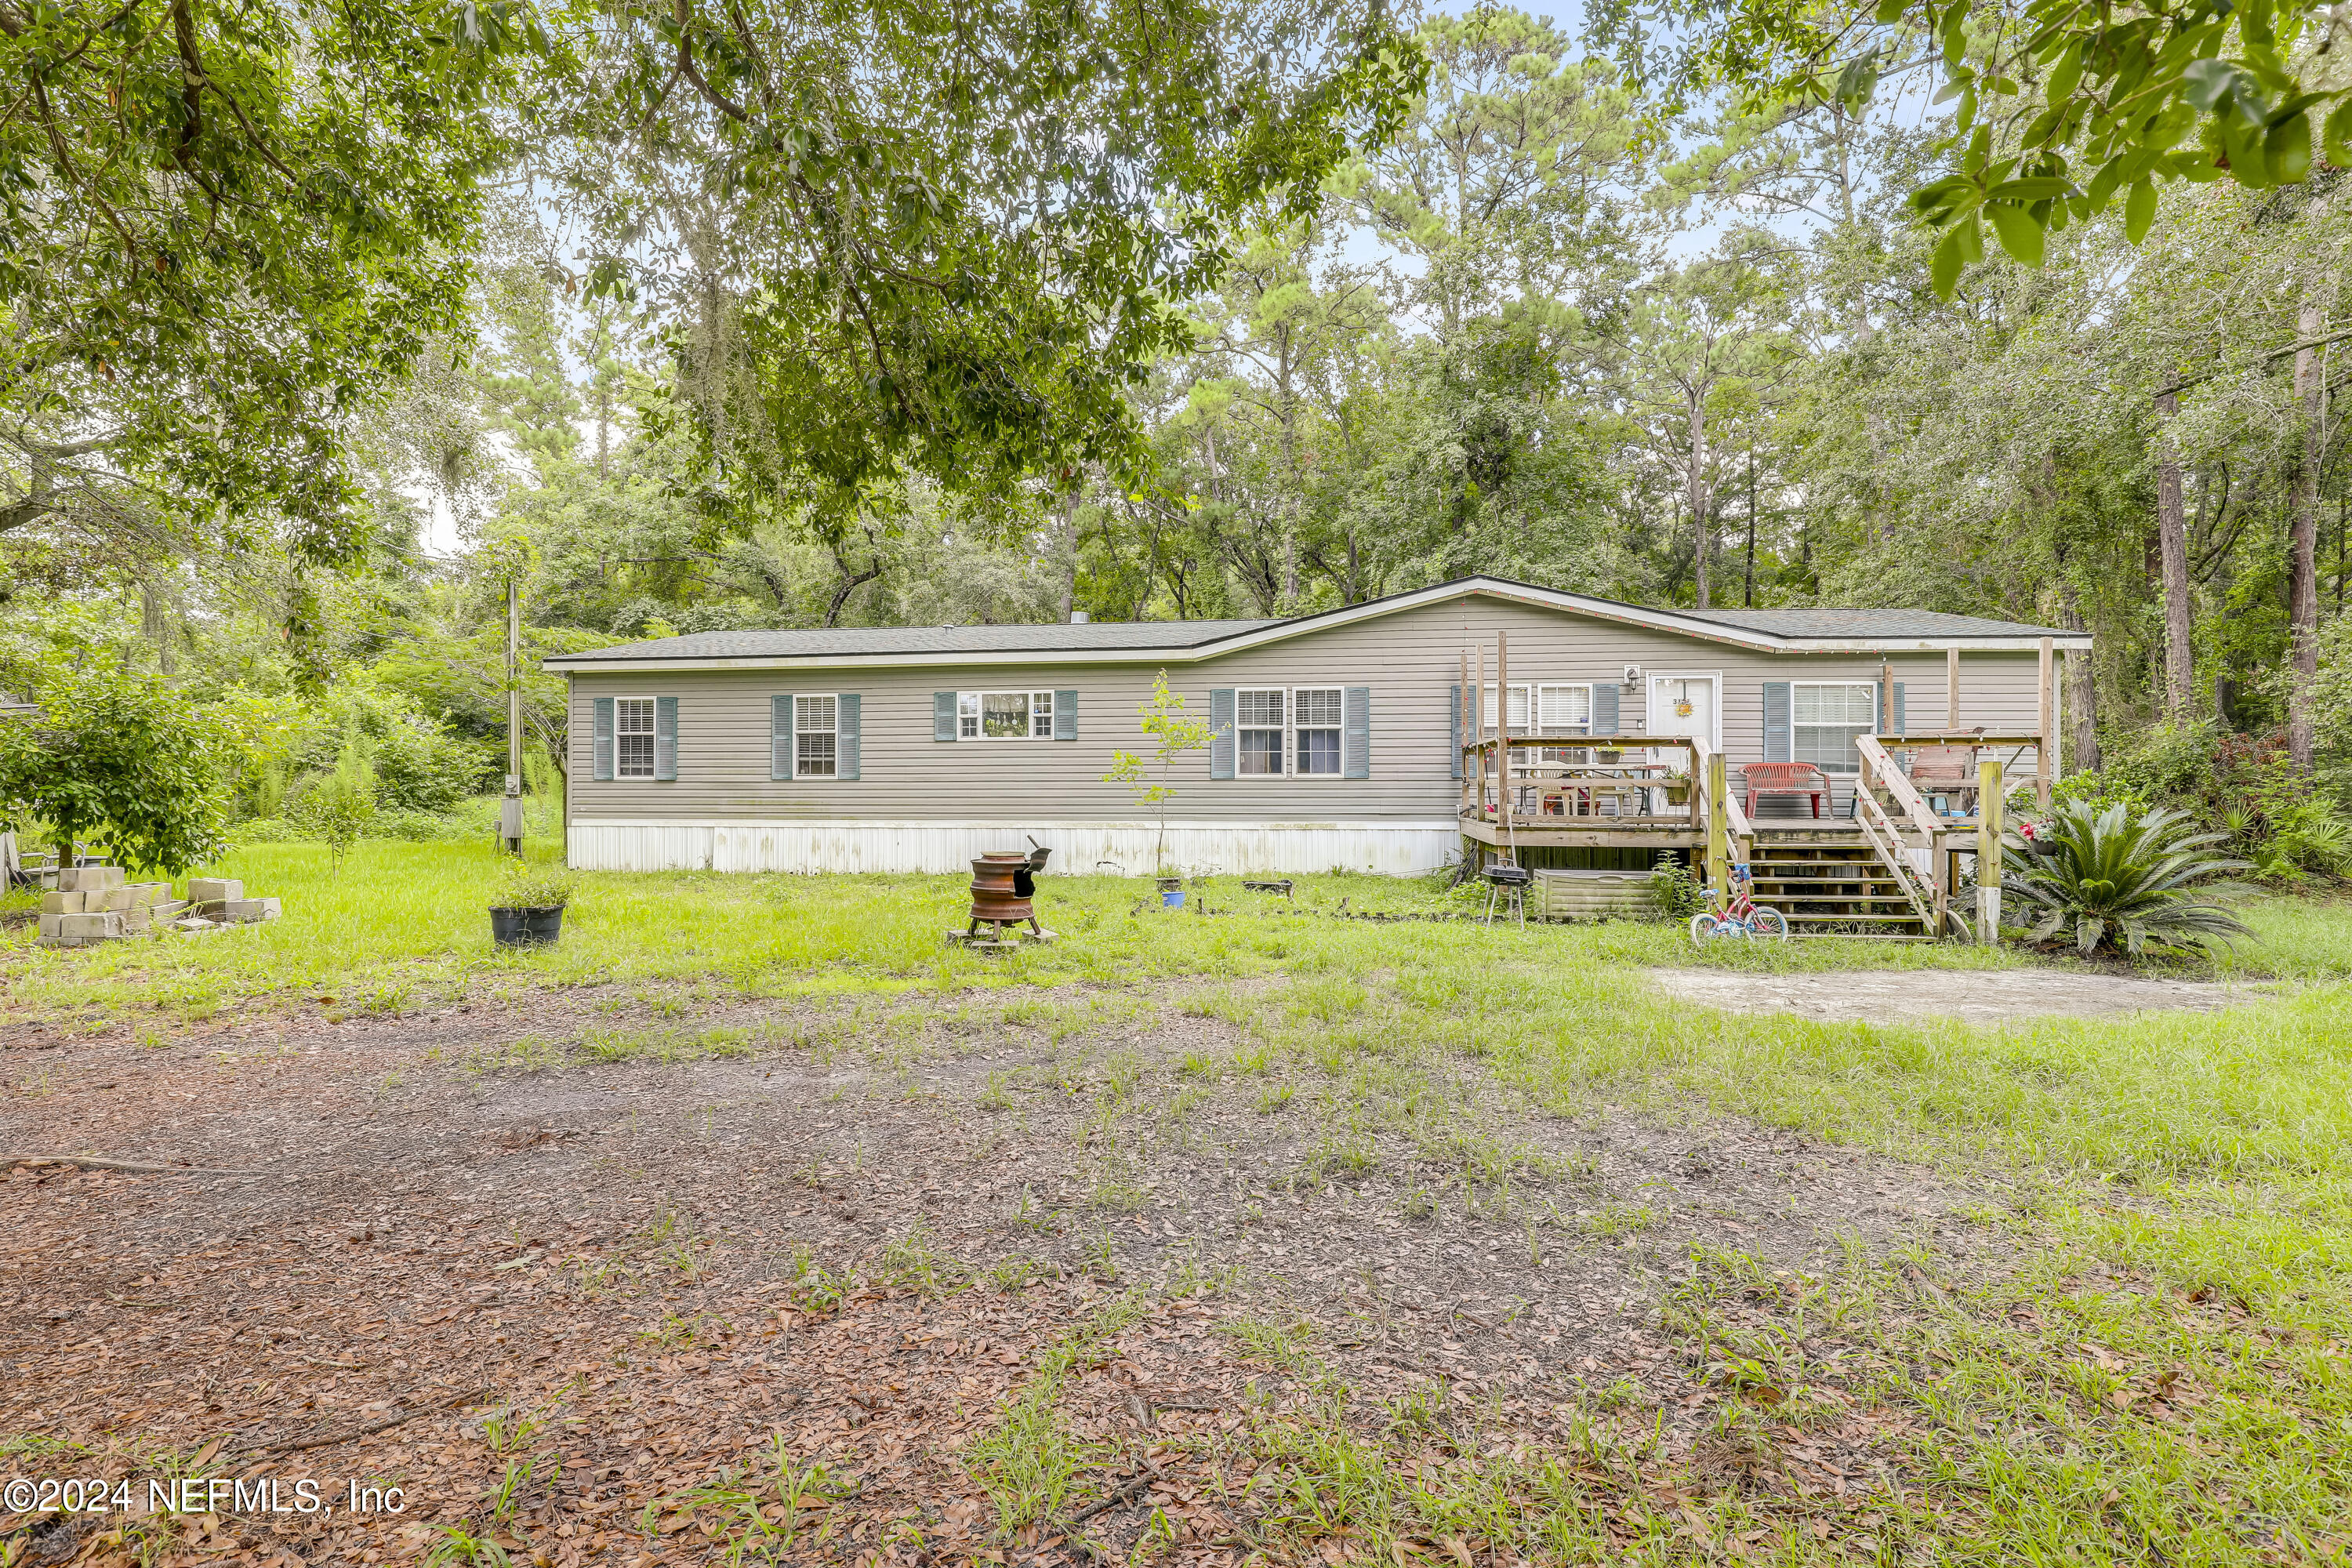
(1078, 617)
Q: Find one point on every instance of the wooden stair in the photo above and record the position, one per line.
(1831, 888)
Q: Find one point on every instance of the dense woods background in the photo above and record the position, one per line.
(1540, 323)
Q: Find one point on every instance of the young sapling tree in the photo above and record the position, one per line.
(1174, 732)
(343, 803)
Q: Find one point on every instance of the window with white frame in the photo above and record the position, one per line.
(1005, 715)
(1260, 722)
(1316, 724)
(1564, 708)
(1522, 695)
(1826, 717)
(632, 737)
(816, 736)
(1545, 708)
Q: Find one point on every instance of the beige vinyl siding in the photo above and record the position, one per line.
(1409, 659)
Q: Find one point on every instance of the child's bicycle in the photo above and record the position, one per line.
(1744, 917)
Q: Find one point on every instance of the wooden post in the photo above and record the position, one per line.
(1942, 869)
(2045, 752)
(510, 807)
(1952, 689)
(1991, 819)
(1718, 828)
(1503, 736)
(1478, 729)
(1885, 697)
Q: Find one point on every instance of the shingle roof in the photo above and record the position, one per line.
(1089, 636)
(1867, 625)
(1772, 630)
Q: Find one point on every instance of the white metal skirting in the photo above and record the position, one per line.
(1129, 849)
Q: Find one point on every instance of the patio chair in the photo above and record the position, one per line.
(1785, 778)
(1946, 774)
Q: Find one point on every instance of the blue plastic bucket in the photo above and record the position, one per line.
(1173, 898)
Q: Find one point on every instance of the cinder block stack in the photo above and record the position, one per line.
(222, 901)
(93, 904)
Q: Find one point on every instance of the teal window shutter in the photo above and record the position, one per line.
(603, 741)
(1900, 728)
(1604, 708)
(1780, 739)
(1454, 726)
(1356, 733)
(665, 738)
(844, 742)
(1066, 715)
(943, 715)
(1221, 733)
(780, 736)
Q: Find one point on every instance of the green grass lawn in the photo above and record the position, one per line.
(403, 922)
(2162, 1377)
(413, 918)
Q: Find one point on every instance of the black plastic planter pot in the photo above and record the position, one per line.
(526, 928)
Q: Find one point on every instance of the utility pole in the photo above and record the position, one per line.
(510, 809)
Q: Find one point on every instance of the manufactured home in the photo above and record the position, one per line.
(1369, 737)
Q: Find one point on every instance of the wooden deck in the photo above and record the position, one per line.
(1892, 869)
(1584, 832)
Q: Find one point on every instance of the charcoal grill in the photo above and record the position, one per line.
(1506, 885)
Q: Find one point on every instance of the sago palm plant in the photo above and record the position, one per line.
(2112, 877)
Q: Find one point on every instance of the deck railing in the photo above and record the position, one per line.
(1722, 821)
(2009, 750)
(1917, 849)
(1491, 776)
(1888, 824)
(1880, 770)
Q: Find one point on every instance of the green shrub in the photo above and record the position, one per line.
(115, 758)
(420, 764)
(2307, 836)
(422, 767)
(1678, 891)
(2100, 789)
(417, 828)
(2164, 764)
(2110, 874)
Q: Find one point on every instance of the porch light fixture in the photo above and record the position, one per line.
(1632, 681)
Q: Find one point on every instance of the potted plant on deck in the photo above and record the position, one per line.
(528, 909)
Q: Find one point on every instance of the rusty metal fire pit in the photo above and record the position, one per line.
(1000, 898)
(993, 896)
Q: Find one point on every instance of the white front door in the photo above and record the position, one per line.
(1685, 705)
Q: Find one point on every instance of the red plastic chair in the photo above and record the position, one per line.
(1785, 778)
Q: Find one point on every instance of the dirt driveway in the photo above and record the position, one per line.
(1975, 996)
(558, 1300)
